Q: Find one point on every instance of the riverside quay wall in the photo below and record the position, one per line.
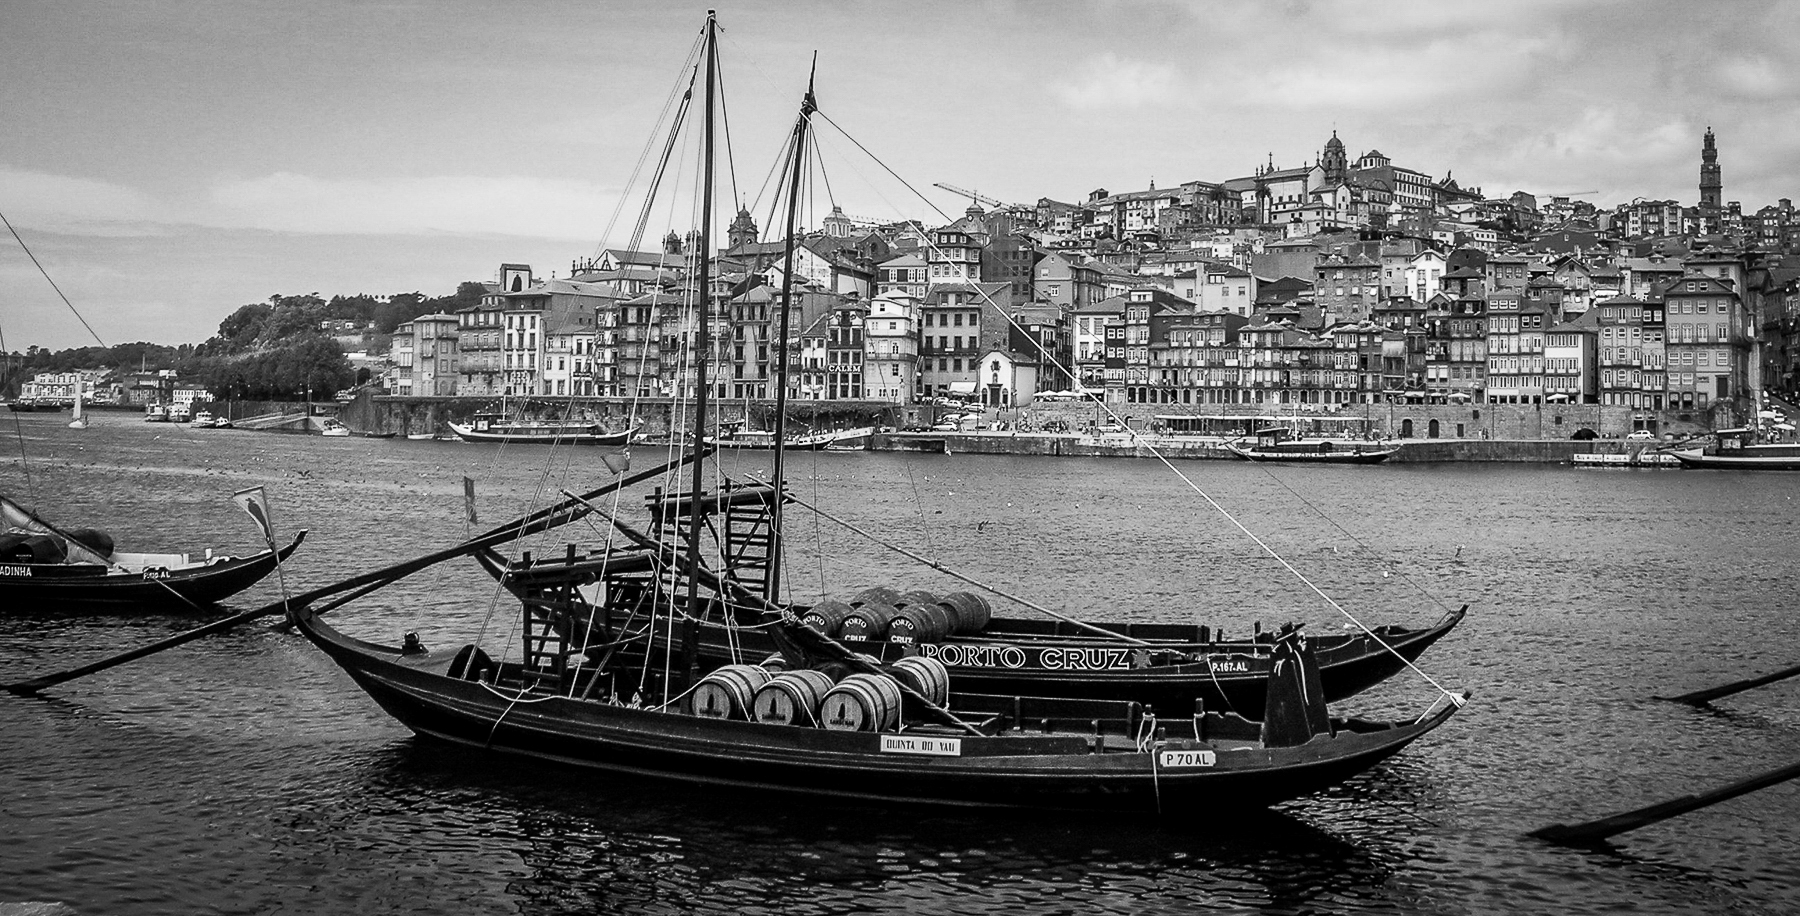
(377, 413)
(1391, 421)
(1421, 423)
(1125, 445)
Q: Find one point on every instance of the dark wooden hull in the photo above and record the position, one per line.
(64, 587)
(1015, 769)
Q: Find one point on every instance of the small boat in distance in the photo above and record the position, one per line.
(740, 434)
(80, 421)
(180, 413)
(204, 420)
(1277, 443)
(497, 427)
(156, 413)
(331, 427)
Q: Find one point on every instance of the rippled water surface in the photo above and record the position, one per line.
(245, 774)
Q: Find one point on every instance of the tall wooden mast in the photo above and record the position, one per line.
(772, 575)
(690, 637)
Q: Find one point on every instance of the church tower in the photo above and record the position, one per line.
(1335, 162)
(743, 229)
(1710, 182)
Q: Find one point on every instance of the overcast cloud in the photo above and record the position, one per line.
(171, 161)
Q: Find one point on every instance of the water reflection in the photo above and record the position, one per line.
(610, 843)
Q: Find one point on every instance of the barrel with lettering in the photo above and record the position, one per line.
(926, 675)
(727, 692)
(827, 616)
(791, 698)
(969, 612)
(917, 623)
(867, 622)
(861, 703)
(879, 594)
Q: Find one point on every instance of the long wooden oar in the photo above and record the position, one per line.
(541, 520)
(1702, 697)
(1595, 831)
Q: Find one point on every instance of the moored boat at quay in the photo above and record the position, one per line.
(496, 427)
(1739, 450)
(1278, 444)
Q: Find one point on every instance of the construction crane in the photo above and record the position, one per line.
(1562, 194)
(982, 198)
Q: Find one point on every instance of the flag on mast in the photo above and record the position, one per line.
(256, 503)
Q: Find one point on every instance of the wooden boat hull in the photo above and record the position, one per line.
(1016, 769)
(563, 437)
(807, 444)
(1336, 456)
(73, 586)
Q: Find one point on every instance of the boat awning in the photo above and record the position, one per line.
(962, 387)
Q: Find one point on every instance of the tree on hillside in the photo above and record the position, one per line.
(282, 372)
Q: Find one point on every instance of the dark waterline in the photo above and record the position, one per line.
(245, 774)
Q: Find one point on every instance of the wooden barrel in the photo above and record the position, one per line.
(791, 698)
(867, 622)
(861, 703)
(880, 594)
(726, 693)
(926, 675)
(907, 599)
(917, 623)
(969, 612)
(827, 616)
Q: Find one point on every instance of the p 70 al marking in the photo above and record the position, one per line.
(1177, 759)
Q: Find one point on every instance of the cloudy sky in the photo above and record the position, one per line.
(171, 161)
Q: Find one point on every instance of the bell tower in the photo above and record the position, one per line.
(1711, 190)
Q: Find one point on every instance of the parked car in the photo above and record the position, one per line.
(1641, 435)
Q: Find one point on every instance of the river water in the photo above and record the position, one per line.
(245, 774)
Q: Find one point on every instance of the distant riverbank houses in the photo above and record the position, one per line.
(1340, 282)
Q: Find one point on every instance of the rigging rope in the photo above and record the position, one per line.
(1155, 452)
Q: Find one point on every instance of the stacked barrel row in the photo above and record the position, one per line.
(832, 698)
(915, 616)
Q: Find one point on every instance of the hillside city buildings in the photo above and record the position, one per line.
(1311, 287)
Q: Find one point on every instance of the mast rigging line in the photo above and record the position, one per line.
(59, 293)
(1050, 359)
(669, 101)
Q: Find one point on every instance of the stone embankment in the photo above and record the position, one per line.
(1120, 445)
